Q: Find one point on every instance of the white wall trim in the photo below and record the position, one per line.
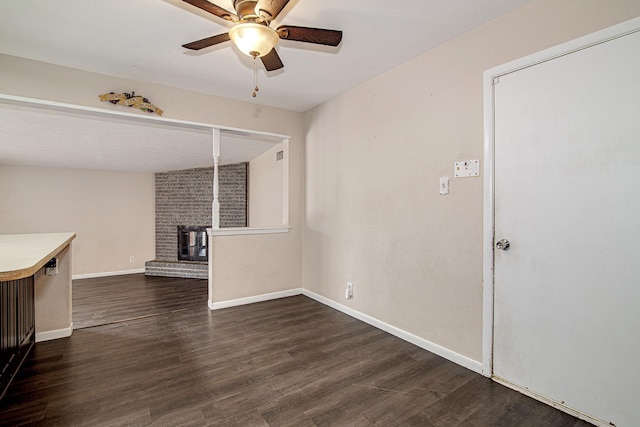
(598, 37)
(136, 117)
(55, 334)
(236, 231)
(448, 354)
(107, 273)
(488, 227)
(551, 402)
(251, 300)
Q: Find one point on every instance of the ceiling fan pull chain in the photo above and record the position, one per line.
(255, 76)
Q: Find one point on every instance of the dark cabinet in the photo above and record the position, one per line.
(17, 326)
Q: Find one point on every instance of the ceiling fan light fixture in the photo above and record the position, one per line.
(253, 39)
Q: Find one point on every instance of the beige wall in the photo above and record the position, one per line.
(112, 213)
(45, 81)
(265, 269)
(372, 161)
(53, 307)
(373, 156)
(265, 189)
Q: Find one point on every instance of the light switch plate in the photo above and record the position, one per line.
(466, 168)
(444, 185)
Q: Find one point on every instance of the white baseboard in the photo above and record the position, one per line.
(451, 355)
(107, 273)
(448, 354)
(254, 299)
(55, 334)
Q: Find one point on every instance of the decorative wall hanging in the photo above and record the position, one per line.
(131, 100)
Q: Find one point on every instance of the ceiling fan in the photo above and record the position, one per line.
(252, 33)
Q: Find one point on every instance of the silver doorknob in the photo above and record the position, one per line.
(503, 244)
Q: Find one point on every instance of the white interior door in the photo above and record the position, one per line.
(567, 198)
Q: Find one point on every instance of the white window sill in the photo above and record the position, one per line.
(246, 230)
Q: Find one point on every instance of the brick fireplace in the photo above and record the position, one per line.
(183, 199)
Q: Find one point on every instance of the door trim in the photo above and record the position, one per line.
(551, 402)
(488, 225)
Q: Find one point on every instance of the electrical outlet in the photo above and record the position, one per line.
(132, 259)
(348, 294)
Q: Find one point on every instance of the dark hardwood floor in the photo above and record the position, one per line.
(105, 300)
(288, 362)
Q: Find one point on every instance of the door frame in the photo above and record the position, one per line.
(489, 77)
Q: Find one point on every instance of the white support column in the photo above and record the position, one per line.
(215, 208)
(285, 183)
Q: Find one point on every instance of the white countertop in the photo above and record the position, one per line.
(22, 255)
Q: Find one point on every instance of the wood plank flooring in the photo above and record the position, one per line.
(105, 300)
(288, 362)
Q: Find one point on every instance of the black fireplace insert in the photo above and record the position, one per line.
(192, 243)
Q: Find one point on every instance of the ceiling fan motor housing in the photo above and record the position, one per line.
(246, 9)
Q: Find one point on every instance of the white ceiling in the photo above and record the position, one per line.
(141, 40)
